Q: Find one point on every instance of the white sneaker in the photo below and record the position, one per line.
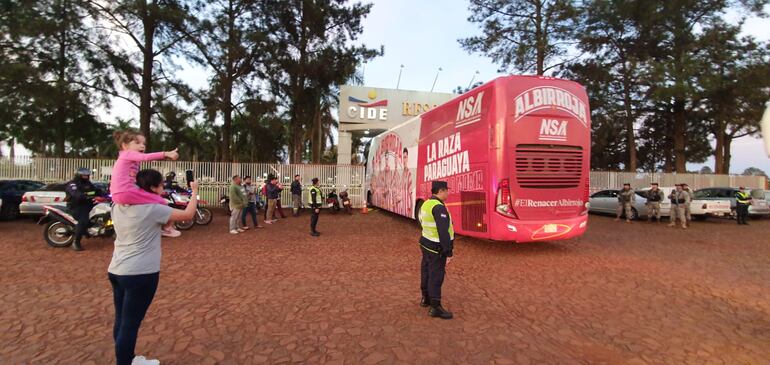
(234, 231)
(170, 233)
(141, 360)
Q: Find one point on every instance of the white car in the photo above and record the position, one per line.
(32, 202)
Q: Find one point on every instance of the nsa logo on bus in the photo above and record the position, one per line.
(553, 130)
(469, 111)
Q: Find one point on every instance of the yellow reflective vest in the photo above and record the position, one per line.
(428, 223)
(318, 196)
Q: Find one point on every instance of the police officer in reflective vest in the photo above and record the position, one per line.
(314, 200)
(436, 244)
(742, 202)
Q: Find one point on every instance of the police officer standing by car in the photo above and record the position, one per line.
(436, 243)
(742, 202)
(314, 200)
(80, 200)
(625, 201)
(654, 197)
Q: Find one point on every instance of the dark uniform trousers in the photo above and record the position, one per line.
(742, 211)
(81, 213)
(432, 270)
(314, 218)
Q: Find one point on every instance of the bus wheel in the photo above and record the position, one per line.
(369, 199)
(417, 207)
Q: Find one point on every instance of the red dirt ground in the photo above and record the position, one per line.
(624, 293)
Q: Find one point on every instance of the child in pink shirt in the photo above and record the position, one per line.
(123, 185)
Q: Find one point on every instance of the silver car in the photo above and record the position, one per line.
(32, 202)
(606, 201)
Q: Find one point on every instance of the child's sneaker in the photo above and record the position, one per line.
(170, 233)
(141, 360)
(235, 231)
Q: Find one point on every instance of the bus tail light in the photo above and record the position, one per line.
(504, 205)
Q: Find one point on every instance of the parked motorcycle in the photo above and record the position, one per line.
(346, 204)
(333, 202)
(203, 216)
(60, 224)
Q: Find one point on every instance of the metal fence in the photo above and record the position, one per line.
(612, 179)
(214, 177)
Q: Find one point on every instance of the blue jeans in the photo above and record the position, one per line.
(250, 209)
(132, 295)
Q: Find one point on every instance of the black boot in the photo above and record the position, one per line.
(425, 301)
(436, 310)
(76, 245)
(315, 234)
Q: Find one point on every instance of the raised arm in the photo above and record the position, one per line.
(138, 156)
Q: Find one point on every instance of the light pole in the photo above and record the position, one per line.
(472, 78)
(399, 76)
(434, 79)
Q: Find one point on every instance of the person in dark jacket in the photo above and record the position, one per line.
(315, 199)
(436, 243)
(296, 195)
(80, 200)
(273, 192)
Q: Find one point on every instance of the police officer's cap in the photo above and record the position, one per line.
(626, 184)
(438, 185)
(656, 184)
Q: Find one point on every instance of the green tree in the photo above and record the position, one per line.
(523, 35)
(616, 33)
(54, 70)
(754, 171)
(735, 81)
(310, 51)
(229, 40)
(676, 65)
(152, 28)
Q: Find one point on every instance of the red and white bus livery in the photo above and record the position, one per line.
(514, 151)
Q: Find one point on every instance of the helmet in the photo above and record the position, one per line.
(83, 171)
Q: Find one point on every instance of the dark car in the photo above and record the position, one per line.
(11, 192)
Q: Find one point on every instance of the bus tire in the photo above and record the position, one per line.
(417, 207)
(369, 199)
